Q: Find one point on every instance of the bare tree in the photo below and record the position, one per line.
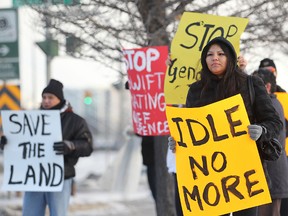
(100, 29)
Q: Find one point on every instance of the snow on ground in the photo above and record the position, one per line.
(91, 198)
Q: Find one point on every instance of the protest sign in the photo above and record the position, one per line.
(283, 99)
(195, 30)
(146, 71)
(218, 166)
(30, 163)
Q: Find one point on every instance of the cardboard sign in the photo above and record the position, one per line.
(194, 32)
(30, 163)
(218, 165)
(146, 71)
(283, 99)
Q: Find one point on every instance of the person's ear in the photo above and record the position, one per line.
(268, 87)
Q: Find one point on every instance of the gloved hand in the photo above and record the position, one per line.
(3, 142)
(255, 131)
(63, 147)
(172, 144)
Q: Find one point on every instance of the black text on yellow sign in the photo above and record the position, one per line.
(218, 165)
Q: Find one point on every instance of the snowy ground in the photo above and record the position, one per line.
(98, 192)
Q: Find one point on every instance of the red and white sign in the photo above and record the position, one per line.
(146, 70)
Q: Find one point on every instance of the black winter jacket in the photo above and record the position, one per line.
(75, 129)
(263, 112)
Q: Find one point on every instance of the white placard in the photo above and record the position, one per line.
(30, 163)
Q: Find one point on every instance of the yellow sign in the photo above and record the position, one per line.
(283, 99)
(10, 97)
(194, 32)
(218, 166)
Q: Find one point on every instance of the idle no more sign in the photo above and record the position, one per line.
(146, 70)
(218, 165)
(30, 163)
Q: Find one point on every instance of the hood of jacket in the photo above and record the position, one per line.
(218, 40)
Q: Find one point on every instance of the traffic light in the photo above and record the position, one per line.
(73, 44)
(88, 98)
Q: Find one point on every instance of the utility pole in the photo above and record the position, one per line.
(48, 46)
(48, 37)
(48, 68)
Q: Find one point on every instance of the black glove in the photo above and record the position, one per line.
(3, 142)
(63, 147)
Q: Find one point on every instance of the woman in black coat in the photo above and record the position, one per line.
(228, 80)
(221, 78)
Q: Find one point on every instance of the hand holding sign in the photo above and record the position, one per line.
(172, 144)
(255, 131)
(3, 142)
(63, 147)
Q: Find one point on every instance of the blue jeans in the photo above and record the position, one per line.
(35, 203)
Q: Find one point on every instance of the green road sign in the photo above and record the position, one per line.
(9, 51)
(18, 3)
(49, 47)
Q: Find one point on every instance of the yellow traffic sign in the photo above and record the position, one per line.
(10, 97)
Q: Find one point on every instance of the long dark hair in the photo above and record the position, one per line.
(233, 77)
